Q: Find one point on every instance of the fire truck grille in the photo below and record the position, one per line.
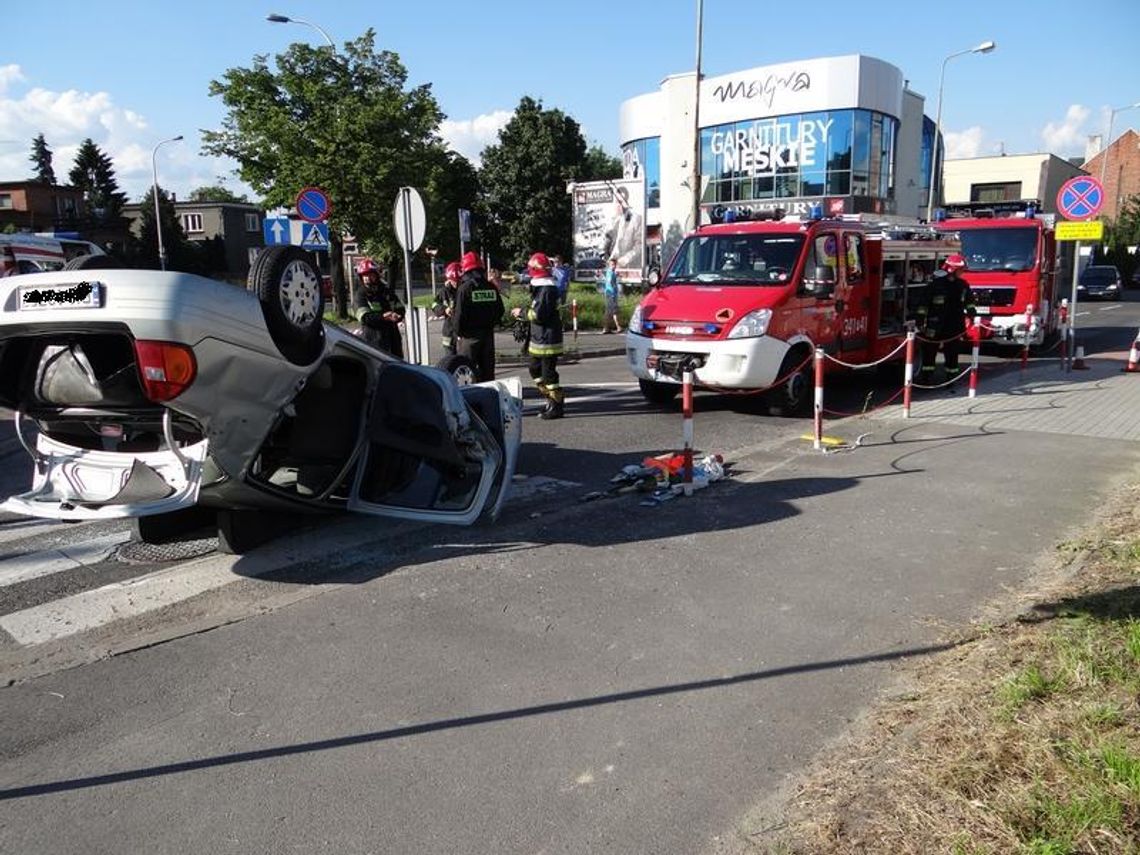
(993, 296)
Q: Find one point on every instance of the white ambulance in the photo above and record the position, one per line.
(30, 253)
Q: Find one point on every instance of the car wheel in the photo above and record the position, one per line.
(793, 397)
(92, 262)
(658, 393)
(289, 288)
(460, 368)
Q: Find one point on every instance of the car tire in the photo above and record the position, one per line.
(92, 262)
(658, 393)
(461, 369)
(288, 285)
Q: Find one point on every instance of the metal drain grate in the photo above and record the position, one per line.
(137, 552)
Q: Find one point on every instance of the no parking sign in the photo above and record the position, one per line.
(1080, 198)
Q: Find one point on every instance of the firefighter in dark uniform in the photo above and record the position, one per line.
(545, 335)
(444, 307)
(378, 309)
(478, 309)
(942, 317)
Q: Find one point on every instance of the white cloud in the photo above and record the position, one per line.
(470, 136)
(67, 118)
(9, 74)
(1068, 136)
(967, 143)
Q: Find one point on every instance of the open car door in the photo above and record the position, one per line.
(434, 451)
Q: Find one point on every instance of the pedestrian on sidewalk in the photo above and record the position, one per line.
(560, 273)
(478, 310)
(545, 335)
(611, 289)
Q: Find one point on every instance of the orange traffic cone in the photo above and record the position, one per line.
(1133, 366)
(1079, 359)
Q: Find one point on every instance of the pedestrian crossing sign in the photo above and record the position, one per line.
(315, 236)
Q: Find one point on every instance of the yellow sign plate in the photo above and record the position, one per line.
(1092, 230)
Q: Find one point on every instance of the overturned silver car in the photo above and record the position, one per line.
(145, 394)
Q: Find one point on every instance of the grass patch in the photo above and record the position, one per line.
(1024, 740)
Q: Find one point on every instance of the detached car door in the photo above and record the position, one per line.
(436, 451)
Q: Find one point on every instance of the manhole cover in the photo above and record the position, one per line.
(137, 552)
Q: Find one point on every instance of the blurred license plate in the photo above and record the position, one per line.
(82, 295)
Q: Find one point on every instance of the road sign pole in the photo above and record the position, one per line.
(1073, 300)
(410, 325)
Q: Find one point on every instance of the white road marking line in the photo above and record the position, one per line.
(27, 527)
(49, 561)
(1110, 308)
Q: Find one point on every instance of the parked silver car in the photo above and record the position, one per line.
(143, 394)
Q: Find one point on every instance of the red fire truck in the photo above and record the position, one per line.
(1011, 264)
(744, 304)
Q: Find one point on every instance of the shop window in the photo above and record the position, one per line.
(838, 183)
(861, 142)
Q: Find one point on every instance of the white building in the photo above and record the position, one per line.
(844, 132)
(1007, 178)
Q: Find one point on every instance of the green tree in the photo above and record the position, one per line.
(179, 253)
(215, 193)
(452, 182)
(525, 205)
(1122, 233)
(597, 165)
(343, 121)
(94, 174)
(41, 158)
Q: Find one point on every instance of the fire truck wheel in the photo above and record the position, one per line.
(794, 396)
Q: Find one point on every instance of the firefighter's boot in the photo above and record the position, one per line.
(556, 408)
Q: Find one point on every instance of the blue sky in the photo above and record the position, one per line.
(129, 73)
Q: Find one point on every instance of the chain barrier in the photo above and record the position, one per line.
(887, 358)
(918, 337)
(949, 382)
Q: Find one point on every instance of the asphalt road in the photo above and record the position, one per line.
(581, 676)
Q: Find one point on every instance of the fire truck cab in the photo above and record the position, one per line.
(744, 304)
(1011, 264)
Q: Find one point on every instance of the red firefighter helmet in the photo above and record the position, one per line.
(539, 263)
(452, 270)
(365, 266)
(954, 262)
(470, 262)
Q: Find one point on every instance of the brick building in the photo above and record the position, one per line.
(37, 207)
(1120, 166)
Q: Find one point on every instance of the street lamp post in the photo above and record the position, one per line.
(696, 174)
(157, 214)
(274, 18)
(1108, 137)
(984, 47)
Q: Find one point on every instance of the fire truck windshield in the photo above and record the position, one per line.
(996, 248)
(736, 259)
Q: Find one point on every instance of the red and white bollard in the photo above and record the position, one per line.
(687, 431)
(1028, 332)
(977, 337)
(574, 318)
(818, 441)
(1133, 366)
(908, 373)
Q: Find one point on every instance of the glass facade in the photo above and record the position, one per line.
(829, 153)
(643, 158)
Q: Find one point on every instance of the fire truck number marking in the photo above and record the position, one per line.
(854, 326)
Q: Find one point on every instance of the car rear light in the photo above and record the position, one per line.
(166, 369)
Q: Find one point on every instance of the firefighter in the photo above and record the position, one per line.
(444, 307)
(478, 309)
(378, 309)
(545, 335)
(942, 317)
